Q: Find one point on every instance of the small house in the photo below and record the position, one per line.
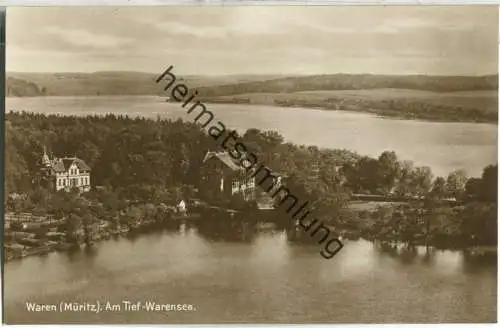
(225, 176)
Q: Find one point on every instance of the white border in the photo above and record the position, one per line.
(263, 2)
(239, 2)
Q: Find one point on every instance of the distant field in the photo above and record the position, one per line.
(482, 99)
(458, 106)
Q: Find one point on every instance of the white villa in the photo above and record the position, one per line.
(66, 173)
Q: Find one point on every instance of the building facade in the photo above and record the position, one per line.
(224, 176)
(65, 173)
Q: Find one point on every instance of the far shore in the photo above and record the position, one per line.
(428, 106)
(425, 106)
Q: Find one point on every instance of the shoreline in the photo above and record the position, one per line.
(46, 246)
(378, 113)
(373, 112)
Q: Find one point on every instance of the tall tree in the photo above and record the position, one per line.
(489, 188)
(421, 180)
(389, 170)
(455, 183)
(439, 190)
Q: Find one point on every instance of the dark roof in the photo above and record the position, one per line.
(81, 165)
(225, 158)
(233, 164)
(63, 164)
(67, 163)
(58, 166)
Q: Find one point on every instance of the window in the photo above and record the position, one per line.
(235, 186)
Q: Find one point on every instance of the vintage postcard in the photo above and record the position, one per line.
(251, 164)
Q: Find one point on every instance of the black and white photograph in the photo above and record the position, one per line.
(250, 164)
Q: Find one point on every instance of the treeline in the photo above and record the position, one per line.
(137, 83)
(124, 153)
(145, 161)
(355, 82)
(452, 211)
(402, 108)
(447, 211)
(132, 153)
(107, 83)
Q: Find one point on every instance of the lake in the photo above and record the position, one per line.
(266, 280)
(444, 147)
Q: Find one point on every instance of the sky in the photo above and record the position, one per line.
(222, 40)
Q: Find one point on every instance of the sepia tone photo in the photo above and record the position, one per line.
(251, 164)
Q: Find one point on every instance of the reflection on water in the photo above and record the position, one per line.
(246, 275)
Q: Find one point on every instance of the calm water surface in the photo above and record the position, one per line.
(264, 280)
(268, 279)
(444, 147)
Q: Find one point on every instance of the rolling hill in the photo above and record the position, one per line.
(138, 83)
(111, 83)
(435, 98)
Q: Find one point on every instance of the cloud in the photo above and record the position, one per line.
(16, 52)
(241, 28)
(325, 28)
(259, 39)
(392, 26)
(178, 28)
(79, 37)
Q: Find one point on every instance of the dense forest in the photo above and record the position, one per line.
(154, 162)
